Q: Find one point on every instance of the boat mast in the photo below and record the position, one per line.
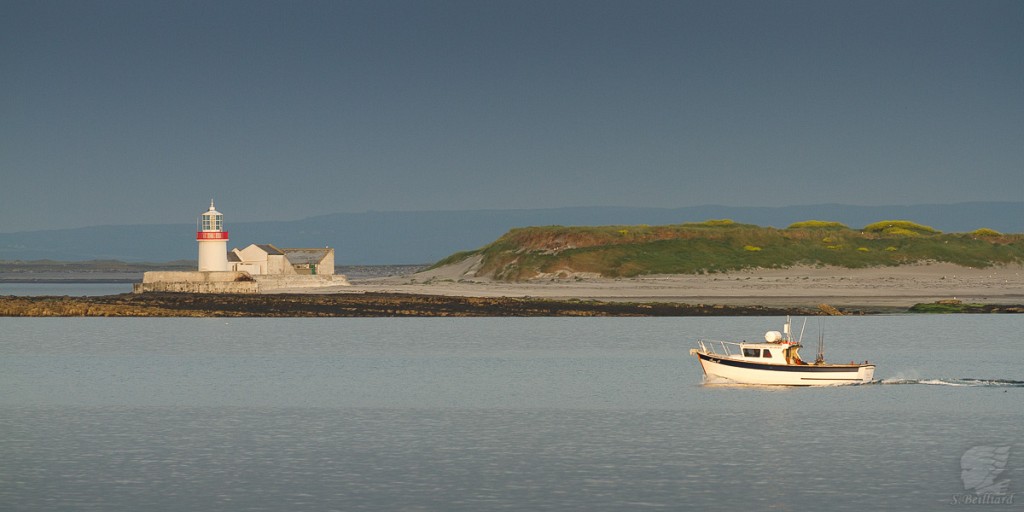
(821, 344)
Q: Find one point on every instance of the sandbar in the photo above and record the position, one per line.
(802, 286)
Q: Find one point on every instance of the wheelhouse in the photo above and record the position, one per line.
(768, 353)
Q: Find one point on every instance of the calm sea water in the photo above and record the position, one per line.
(71, 289)
(492, 414)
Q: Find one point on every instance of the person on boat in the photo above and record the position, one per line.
(795, 358)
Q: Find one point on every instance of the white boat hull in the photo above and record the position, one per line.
(718, 368)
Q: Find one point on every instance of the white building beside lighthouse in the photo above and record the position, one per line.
(212, 240)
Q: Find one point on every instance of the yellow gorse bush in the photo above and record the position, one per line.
(817, 224)
(900, 228)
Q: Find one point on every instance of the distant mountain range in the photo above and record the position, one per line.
(389, 238)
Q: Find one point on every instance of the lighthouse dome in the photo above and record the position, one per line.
(212, 210)
(212, 220)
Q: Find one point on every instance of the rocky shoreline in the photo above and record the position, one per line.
(372, 305)
(417, 305)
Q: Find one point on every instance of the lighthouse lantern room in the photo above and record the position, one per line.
(213, 241)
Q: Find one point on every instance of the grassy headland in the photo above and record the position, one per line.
(723, 245)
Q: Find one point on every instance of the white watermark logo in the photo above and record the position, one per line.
(980, 468)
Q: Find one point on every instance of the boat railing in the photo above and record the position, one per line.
(717, 347)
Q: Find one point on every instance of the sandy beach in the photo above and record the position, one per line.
(799, 286)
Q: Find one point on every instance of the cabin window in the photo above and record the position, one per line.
(767, 353)
(752, 352)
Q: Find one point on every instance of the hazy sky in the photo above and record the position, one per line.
(138, 112)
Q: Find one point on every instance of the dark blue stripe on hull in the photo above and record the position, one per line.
(828, 379)
(782, 367)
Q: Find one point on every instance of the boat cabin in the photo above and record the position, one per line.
(771, 353)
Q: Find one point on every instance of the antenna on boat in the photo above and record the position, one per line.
(802, 327)
(820, 359)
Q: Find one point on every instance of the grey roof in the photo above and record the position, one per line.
(232, 257)
(270, 249)
(306, 256)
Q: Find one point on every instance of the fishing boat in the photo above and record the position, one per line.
(776, 362)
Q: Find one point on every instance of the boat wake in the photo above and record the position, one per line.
(972, 383)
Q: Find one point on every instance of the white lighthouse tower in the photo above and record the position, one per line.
(213, 241)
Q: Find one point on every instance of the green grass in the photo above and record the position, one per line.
(723, 245)
(946, 308)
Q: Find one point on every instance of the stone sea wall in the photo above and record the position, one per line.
(231, 282)
(271, 283)
(197, 282)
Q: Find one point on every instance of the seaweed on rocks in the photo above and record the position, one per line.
(360, 305)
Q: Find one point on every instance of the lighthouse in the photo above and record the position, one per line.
(213, 241)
